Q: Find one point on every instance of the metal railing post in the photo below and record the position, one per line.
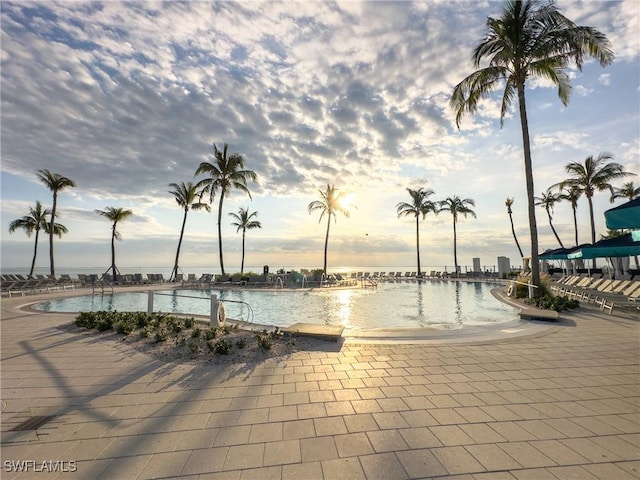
(150, 302)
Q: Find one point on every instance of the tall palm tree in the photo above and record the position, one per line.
(594, 175)
(329, 205)
(244, 222)
(547, 200)
(508, 203)
(572, 195)
(528, 40)
(56, 183)
(114, 215)
(628, 191)
(457, 206)
(188, 197)
(225, 172)
(35, 221)
(420, 205)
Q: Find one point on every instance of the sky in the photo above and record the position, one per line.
(126, 98)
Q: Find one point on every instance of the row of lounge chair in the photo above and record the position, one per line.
(13, 284)
(21, 285)
(606, 293)
(396, 276)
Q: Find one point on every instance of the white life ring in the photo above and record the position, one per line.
(221, 314)
(510, 290)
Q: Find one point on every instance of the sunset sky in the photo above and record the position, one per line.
(127, 98)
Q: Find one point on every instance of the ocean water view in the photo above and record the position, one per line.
(231, 269)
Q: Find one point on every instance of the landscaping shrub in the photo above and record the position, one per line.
(264, 340)
(550, 302)
(211, 333)
(161, 335)
(194, 347)
(125, 326)
(222, 347)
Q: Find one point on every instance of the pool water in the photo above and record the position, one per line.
(437, 304)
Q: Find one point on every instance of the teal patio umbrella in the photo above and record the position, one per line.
(624, 216)
(623, 246)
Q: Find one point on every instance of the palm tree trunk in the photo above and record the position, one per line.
(244, 231)
(35, 253)
(554, 230)
(326, 244)
(113, 252)
(418, 242)
(175, 265)
(593, 227)
(575, 224)
(220, 232)
(513, 232)
(455, 248)
(53, 220)
(528, 170)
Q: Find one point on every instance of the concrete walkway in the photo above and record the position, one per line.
(561, 404)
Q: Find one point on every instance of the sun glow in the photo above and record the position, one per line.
(346, 201)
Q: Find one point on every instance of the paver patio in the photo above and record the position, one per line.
(562, 404)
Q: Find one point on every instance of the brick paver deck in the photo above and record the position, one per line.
(560, 405)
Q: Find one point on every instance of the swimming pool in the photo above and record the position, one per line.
(444, 305)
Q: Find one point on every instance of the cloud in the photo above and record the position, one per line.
(125, 98)
(605, 79)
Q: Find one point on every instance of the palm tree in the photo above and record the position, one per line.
(330, 204)
(244, 222)
(595, 174)
(56, 183)
(628, 191)
(457, 206)
(547, 200)
(572, 195)
(508, 203)
(114, 215)
(420, 205)
(188, 197)
(35, 221)
(225, 173)
(528, 40)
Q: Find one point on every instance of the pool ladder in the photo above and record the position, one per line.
(102, 283)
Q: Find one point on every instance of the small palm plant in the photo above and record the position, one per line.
(457, 206)
(35, 221)
(114, 215)
(419, 206)
(330, 204)
(244, 221)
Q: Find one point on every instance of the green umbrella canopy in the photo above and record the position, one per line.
(622, 246)
(559, 253)
(626, 215)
